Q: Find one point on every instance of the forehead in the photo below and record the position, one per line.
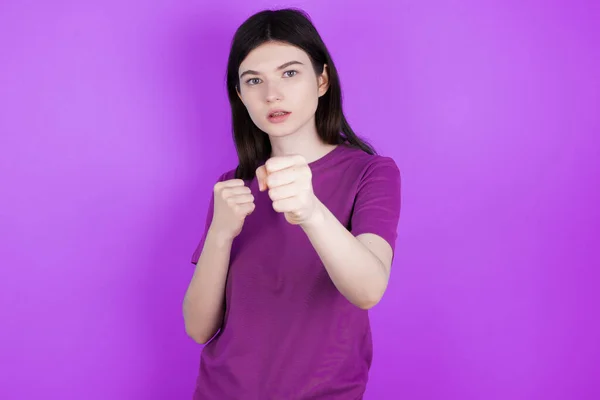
(268, 56)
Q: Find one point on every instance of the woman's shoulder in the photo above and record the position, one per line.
(372, 164)
(224, 175)
(227, 175)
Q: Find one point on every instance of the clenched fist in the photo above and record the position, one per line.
(233, 202)
(289, 181)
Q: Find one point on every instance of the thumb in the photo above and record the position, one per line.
(261, 177)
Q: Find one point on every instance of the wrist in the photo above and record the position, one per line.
(317, 217)
(219, 237)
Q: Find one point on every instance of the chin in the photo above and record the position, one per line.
(277, 133)
(278, 130)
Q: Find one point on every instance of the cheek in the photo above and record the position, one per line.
(252, 102)
(256, 108)
(306, 97)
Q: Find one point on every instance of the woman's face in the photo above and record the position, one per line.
(280, 89)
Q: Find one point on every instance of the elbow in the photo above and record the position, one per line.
(196, 333)
(197, 336)
(370, 298)
(366, 304)
(194, 328)
(372, 290)
(202, 340)
(369, 301)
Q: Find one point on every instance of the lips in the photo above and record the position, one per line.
(277, 113)
(278, 116)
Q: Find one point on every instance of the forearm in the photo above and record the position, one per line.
(203, 305)
(357, 273)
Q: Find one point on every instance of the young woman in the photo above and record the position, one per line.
(299, 238)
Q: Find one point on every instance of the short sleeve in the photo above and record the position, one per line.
(209, 216)
(377, 203)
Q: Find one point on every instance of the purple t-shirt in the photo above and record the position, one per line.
(287, 332)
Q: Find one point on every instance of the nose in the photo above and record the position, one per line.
(273, 93)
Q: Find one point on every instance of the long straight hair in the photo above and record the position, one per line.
(291, 26)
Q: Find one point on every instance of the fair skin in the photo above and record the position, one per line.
(279, 76)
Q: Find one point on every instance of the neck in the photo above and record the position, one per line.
(304, 142)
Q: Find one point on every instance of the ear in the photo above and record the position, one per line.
(324, 81)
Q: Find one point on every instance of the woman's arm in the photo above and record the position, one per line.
(359, 266)
(204, 301)
(358, 261)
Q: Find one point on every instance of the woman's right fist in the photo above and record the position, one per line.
(233, 202)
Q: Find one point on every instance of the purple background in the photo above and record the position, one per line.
(114, 124)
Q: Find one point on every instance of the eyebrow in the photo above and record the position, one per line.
(283, 66)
